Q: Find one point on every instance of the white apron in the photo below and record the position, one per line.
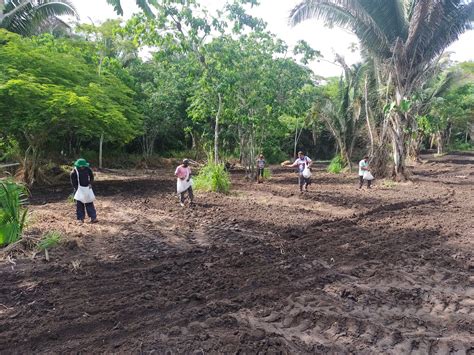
(183, 184)
(83, 193)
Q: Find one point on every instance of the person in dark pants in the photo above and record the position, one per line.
(363, 167)
(302, 162)
(85, 178)
(184, 183)
(261, 168)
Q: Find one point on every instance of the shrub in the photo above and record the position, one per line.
(267, 174)
(337, 165)
(462, 146)
(13, 198)
(213, 177)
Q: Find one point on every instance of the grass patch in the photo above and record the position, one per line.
(13, 199)
(389, 184)
(336, 166)
(213, 177)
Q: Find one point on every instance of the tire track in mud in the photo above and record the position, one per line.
(316, 326)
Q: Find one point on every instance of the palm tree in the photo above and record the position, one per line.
(343, 114)
(25, 17)
(405, 37)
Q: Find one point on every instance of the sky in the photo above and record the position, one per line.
(275, 13)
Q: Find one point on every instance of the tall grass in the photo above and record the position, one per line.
(13, 198)
(337, 165)
(213, 177)
(267, 174)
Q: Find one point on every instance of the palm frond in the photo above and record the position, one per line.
(117, 5)
(26, 16)
(144, 5)
(346, 14)
(454, 21)
(389, 15)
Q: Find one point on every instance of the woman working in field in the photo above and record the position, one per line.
(184, 182)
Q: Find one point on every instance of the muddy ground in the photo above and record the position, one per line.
(336, 270)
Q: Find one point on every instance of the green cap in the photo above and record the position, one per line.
(81, 163)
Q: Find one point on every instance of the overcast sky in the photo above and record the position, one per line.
(275, 13)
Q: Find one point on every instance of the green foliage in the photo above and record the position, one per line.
(267, 174)
(32, 17)
(213, 177)
(13, 198)
(47, 85)
(461, 146)
(9, 149)
(50, 240)
(337, 165)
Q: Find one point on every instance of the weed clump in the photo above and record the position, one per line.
(213, 177)
(337, 165)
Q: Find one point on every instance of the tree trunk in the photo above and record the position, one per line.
(295, 143)
(314, 134)
(439, 143)
(101, 143)
(216, 131)
(369, 127)
(398, 146)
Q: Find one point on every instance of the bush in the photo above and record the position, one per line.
(461, 146)
(337, 165)
(267, 174)
(13, 198)
(213, 177)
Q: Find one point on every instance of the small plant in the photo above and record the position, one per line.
(337, 165)
(389, 184)
(50, 240)
(13, 199)
(213, 177)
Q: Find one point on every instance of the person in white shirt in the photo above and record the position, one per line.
(261, 167)
(302, 162)
(363, 167)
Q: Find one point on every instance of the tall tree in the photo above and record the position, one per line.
(405, 37)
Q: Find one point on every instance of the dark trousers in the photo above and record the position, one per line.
(81, 210)
(182, 196)
(302, 181)
(361, 182)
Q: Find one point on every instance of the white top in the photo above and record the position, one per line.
(301, 163)
(362, 164)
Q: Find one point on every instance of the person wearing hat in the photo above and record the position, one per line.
(81, 180)
(184, 182)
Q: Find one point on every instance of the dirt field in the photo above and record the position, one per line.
(336, 270)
